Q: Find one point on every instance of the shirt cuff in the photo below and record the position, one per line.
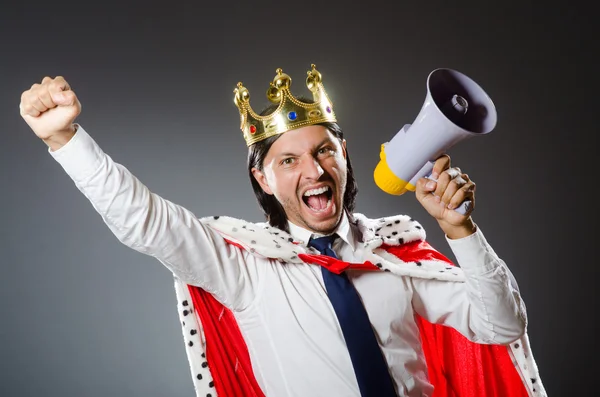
(473, 253)
(80, 157)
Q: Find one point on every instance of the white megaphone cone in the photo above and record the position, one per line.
(455, 108)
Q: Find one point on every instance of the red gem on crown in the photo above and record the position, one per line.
(252, 129)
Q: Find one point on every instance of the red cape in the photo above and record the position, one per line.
(457, 367)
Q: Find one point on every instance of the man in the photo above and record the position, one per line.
(320, 301)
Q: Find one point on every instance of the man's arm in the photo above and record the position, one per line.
(139, 218)
(487, 308)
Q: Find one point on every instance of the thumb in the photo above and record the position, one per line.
(64, 98)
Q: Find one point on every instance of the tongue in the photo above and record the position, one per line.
(317, 202)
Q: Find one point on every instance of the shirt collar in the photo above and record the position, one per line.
(344, 231)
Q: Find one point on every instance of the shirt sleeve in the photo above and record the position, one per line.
(154, 226)
(487, 308)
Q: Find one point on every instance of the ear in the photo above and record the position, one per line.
(262, 180)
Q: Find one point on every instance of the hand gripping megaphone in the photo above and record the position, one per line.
(455, 108)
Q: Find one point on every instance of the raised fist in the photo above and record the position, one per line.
(50, 108)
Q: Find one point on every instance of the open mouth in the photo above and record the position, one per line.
(319, 199)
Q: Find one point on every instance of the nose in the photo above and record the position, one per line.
(312, 169)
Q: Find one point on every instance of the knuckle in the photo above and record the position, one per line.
(454, 183)
(27, 97)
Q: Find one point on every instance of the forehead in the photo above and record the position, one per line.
(301, 140)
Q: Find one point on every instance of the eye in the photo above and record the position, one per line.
(325, 151)
(287, 161)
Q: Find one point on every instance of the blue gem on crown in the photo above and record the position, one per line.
(292, 116)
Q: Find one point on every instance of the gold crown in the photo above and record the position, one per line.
(290, 113)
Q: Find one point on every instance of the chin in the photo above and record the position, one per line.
(326, 224)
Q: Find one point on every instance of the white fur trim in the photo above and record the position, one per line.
(265, 241)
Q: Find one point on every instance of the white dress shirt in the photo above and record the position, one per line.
(294, 339)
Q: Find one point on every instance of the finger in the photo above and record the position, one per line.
(441, 164)
(60, 91)
(32, 101)
(27, 110)
(444, 179)
(466, 192)
(424, 187)
(43, 93)
(453, 186)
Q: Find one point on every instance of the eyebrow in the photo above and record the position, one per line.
(323, 142)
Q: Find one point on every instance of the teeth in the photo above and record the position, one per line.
(313, 192)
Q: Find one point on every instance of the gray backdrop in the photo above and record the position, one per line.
(82, 315)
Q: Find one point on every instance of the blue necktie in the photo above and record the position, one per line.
(370, 367)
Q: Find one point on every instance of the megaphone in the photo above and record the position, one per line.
(455, 108)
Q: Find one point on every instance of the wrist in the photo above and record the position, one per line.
(454, 232)
(61, 138)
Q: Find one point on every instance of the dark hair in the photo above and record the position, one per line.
(268, 203)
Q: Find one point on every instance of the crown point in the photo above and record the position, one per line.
(282, 80)
(312, 66)
(279, 71)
